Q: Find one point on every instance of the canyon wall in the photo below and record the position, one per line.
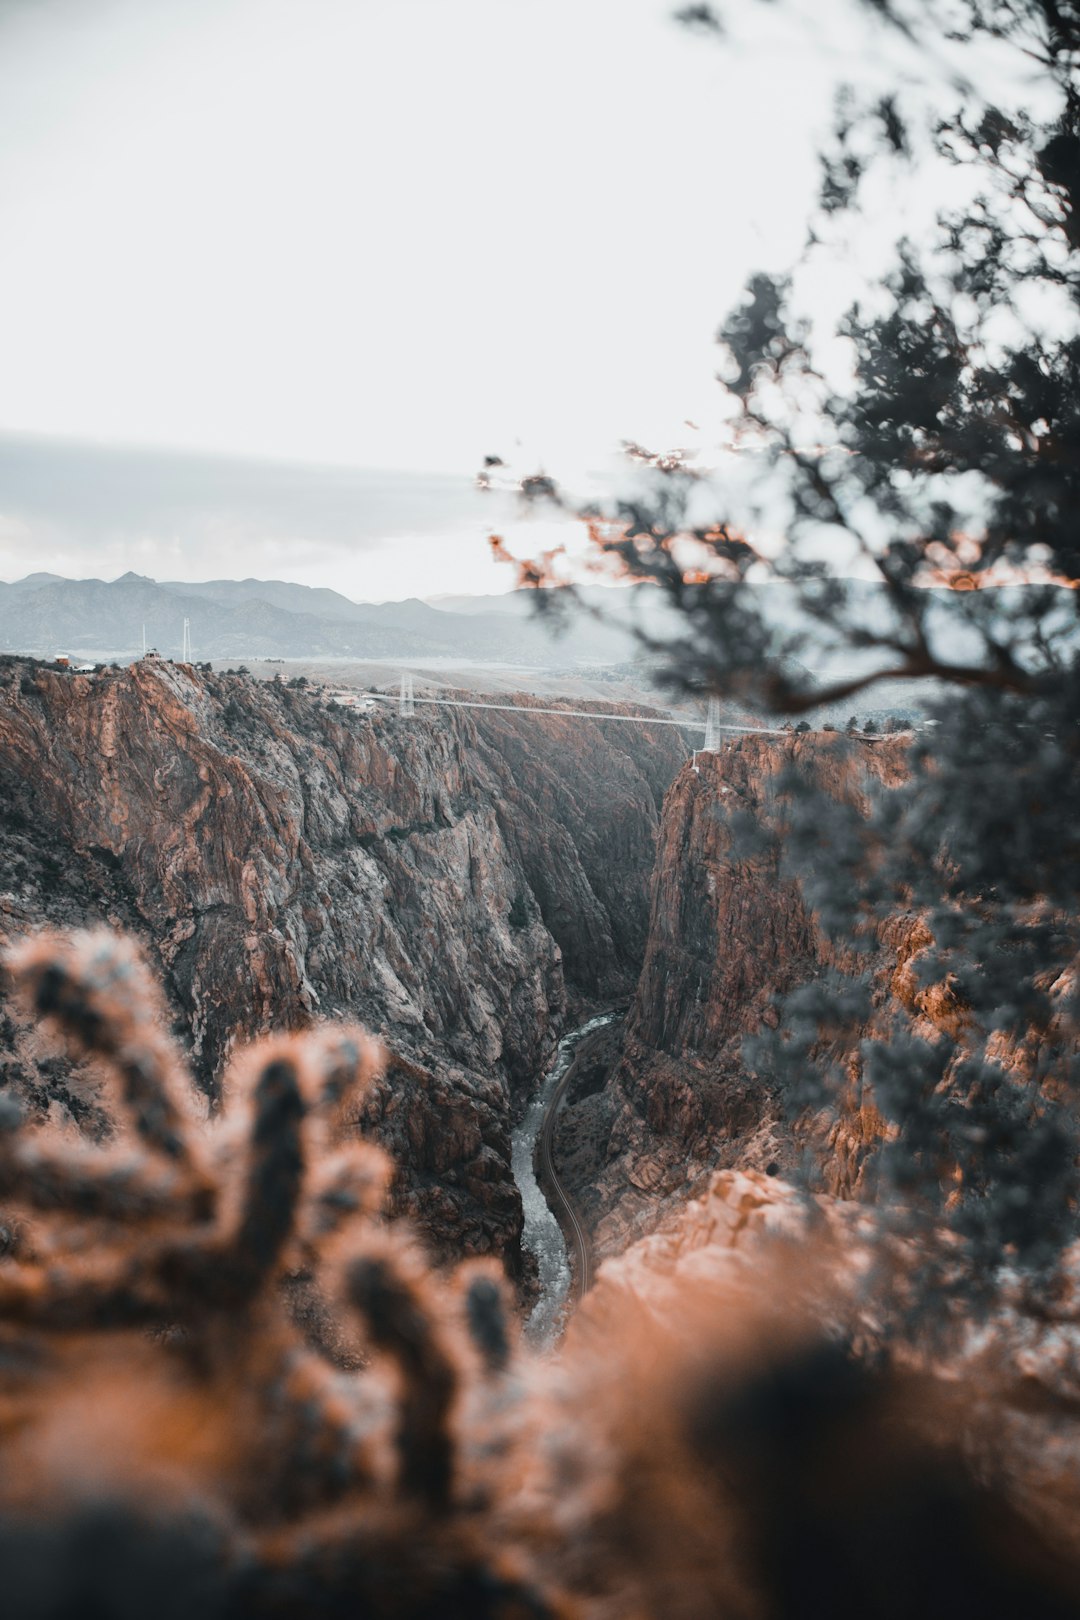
(453, 881)
(672, 1100)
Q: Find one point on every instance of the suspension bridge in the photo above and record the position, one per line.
(406, 700)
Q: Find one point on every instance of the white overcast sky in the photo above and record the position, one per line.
(381, 234)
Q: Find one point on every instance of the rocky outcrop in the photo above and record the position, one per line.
(713, 1246)
(751, 1255)
(449, 880)
(729, 929)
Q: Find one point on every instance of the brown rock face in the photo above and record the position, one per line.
(448, 880)
(728, 930)
(750, 1244)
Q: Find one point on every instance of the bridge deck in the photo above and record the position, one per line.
(584, 714)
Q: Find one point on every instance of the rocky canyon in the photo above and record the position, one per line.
(468, 884)
(461, 882)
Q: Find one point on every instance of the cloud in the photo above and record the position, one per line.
(64, 503)
(106, 492)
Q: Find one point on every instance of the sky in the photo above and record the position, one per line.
(259, 254)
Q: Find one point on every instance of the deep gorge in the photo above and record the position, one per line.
(460, 882)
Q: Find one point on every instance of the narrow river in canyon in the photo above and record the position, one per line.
(543, 1235)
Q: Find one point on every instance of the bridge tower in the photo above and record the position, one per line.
(408, 707)
(185, 656)
(712, 728)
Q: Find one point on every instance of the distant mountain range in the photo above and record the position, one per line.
(45, 614)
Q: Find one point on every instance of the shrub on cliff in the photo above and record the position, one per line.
(155, 1378)
(519, 912)
(943, 466)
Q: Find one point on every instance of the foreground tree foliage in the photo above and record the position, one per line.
(229, 1386)
(921, 463)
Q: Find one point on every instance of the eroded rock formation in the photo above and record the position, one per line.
(452, 881)
(729, 929)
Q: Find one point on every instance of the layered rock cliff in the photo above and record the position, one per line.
(729, 929)
(451, 880)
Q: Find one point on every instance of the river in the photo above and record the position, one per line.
(543, 1235)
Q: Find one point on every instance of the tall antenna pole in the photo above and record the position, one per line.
(144, 641)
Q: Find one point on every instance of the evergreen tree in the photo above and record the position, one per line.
(930, 504)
